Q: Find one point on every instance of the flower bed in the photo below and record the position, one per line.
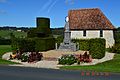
(67, 59)
(70, 59)
(27, 56)
(84, 58)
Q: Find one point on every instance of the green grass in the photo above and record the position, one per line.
(5, 62)
(108, 66)
(3, 50)
(6, 33)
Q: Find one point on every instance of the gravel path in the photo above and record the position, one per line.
(57, 53)
(54, 64)
(39, 64)
(6, 56)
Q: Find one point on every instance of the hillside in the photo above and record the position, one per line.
(6, 33)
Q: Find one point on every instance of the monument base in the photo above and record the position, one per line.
(68, 47)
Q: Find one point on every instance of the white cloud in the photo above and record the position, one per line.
(49, 5)
(46, 5)
(52, 5)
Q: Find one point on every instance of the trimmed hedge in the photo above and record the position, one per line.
(32, 33)
(43, 25)
(33, 44)
(83, 44)
(96, 46)
(43, 44)
(26, 45)
(42, 30)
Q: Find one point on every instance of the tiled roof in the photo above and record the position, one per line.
(88, 19)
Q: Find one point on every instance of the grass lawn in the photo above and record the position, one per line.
(4, 49)
(6, 33)
(108, 66)
(5, 62)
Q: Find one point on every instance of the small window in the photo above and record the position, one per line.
(84, 33)
(101, 33)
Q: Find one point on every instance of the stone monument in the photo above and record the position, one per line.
(67, 45)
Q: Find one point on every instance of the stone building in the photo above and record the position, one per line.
(91, 23)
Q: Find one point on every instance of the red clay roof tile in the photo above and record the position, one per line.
(88, 19)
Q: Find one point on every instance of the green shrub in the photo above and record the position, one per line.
(43, 29)
(33, 44)
(83, 44)
(43, 25)
(43, 44)
(26, 45)
(97, 48)
(32, 33)
(59, 40)
(109, 49)
(67, 59)
(40, 44)
(116, 48)
(23, 44)
(117, 34)
(24, 57)
(14, 44)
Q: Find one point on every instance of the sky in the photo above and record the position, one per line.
(23, 13)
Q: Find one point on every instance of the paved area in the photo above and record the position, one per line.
(23, 73)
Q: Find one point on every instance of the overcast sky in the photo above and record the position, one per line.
(24, 12)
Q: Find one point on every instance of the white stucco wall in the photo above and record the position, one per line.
(107, 35)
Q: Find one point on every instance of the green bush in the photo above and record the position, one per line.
(32, 33)
(43, 25)
(115, 48)
(43, 29)
(44, 44)
(33, 44)
(14, 44)
(83, 44)
(109, 49)
(23, 44)
(97, 48)
(67, 60)
(59, 40)
(26, 45)
(24, 57)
